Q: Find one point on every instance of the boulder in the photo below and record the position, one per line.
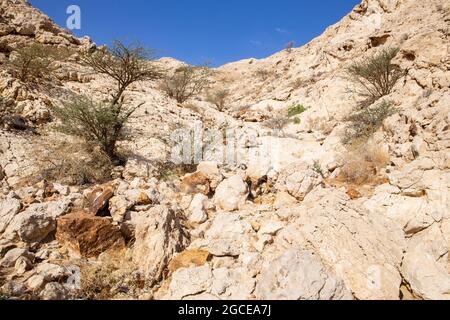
(197, 209)
(88, 236)
(229, 235)
(37, 221)
(299, 275)
(8, 210)
(298, 180)
(231, 194)
(194, 183)
(211, 171)
(159, 235)
(98, 199)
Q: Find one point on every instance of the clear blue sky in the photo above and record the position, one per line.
(219, 31)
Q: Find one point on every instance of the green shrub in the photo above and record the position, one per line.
(363, 122)
(125, 64)
(296, 110)
(32, 62)
(376, 76)
(102, 123)
(97, 123)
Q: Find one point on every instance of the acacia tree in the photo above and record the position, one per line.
(102, 123)
(32, 62)
(125, 64)
(186, 82)
(376, 76)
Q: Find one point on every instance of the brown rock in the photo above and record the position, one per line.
(87, 235)
(353, 193)
(195, 183)
(189, 259)
(99, 198)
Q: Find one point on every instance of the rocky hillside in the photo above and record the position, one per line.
(295, 214)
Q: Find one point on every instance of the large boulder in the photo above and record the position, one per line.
(298, 180)
(231, 194)
(37, 221)
(159, 236)
(299, 275)
(362, 248)
(88, 236)
(229, 235)
(8, 210)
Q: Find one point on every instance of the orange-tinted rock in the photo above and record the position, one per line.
(195, 183)
(189, 259)
(353, 193)
(98, 199)
(88, 236)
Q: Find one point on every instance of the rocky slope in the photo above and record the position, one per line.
(278, 223)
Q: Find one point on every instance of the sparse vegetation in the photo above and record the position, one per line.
(376, 76)
(218, 98)
(277, 123)
(102, 123)
(362, 164)
(97, 123)
(186, 82)
(363, 122)
(72, 163)
(110, 278)
(297, 83)
(263, 74)
(32, 62)
(289, 46)
(296, 110)
(317, 167)
(126, 64)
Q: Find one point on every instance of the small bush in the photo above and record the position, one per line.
(277, 123)
(296, 110)
(263, 74)
(218, 98)
(289, 46)
(32, 62)
(98, 124)
(297, 83)
(115, 275)
(376, 76)
(71, 163)
(363, 163)
(186, 82)
(125, 64)
(362, 123)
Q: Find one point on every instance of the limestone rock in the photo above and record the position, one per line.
(231, 194)
(159, 235)
(37, 221)
(299, 275)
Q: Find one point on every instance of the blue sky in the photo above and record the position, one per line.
(196, 31)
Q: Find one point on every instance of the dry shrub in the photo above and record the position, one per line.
(363, 163)
(218, 98)
(186, 82)
(263, 74)
(71, 162)
(114, 275)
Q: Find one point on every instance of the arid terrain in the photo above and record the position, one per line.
(318, 173)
